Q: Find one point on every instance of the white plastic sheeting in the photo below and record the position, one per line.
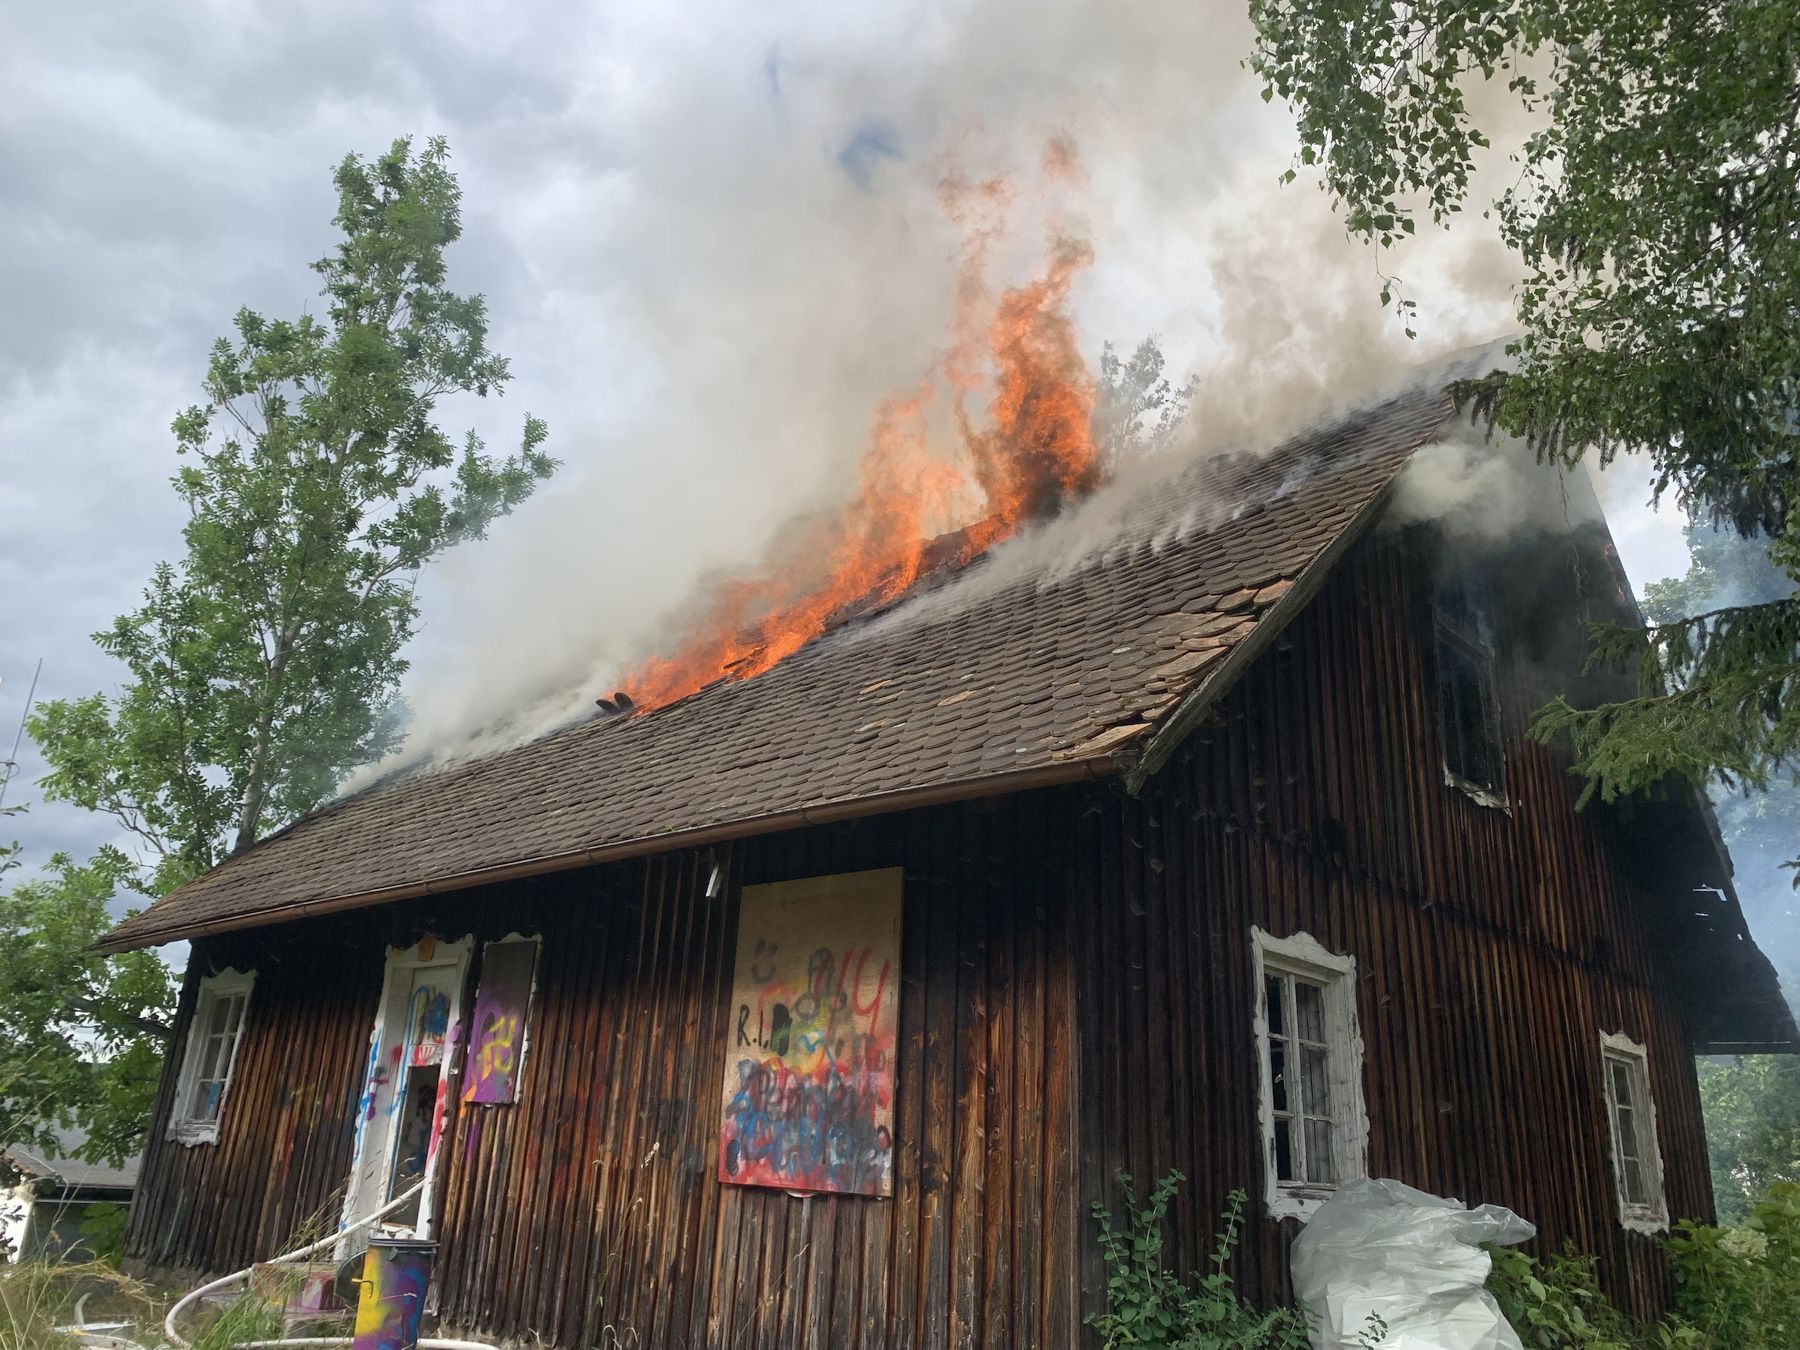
(1412, 1259)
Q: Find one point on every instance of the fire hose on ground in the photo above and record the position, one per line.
(299, 1253)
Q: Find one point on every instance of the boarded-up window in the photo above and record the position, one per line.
(808, 1096)
(497, 1031)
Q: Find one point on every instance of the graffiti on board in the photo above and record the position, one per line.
(497, 1031)
(391, 1301)
(808, 1096)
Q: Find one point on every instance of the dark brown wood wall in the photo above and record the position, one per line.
(591, 1203)
(1492, 948)
(1076, 999)
(288, 1123)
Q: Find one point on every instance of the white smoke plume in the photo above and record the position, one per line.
(771, 261)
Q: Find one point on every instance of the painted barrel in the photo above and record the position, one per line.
(391, 1301)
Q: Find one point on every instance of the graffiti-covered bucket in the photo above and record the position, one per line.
(392, 1297)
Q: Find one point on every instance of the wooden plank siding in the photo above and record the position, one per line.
(589, 1210)
(1076, 999)
(1493, 947)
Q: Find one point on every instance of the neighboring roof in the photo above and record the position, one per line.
(1053, 658)
(57, 1165)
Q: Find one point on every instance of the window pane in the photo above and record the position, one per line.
(207, 1065)
(1278, 1075)
(1628, 1141)
(1315, 1091)
(1275, 992)
(1309, 1011)
(1318, 1152)
(217, 1011)
(1284, 1152)
(1634, 1182)
(1621, 1076)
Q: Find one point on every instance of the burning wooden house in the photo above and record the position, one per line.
(820, 1007)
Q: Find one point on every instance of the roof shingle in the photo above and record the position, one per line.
(1004, 672)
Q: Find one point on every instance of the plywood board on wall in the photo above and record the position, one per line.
(497, 1031)
(808, 1096)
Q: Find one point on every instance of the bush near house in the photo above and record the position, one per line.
(1150, 1305)
(1737, 1288)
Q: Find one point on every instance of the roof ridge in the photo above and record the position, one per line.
(1061, 654)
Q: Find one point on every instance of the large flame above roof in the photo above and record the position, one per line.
(1021, 401)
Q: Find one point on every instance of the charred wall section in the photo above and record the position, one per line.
(1492, 946)
(591, 1203)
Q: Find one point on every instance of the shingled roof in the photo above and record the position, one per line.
(1009, 676)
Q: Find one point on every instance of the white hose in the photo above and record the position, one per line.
(226, 1280)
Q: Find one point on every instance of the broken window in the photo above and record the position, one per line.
(1315, 1129)
(1468, 701)
(206, 1065)
(400, 1115)
(1631, 1116)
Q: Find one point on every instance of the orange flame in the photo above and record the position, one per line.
(1030, 450)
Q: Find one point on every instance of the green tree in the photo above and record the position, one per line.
(80, 1035)
(1760, 825)
(266, 664)
(1653, 210)
(1752, 1105)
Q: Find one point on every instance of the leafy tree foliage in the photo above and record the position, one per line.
(1752, 1103)
(1752, 1106)
(80, 1035)
(1762, 827)
(265, 665)
(1653, 210)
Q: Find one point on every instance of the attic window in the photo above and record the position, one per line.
(1468, 700)
(1631, 1115)
(211, 1054)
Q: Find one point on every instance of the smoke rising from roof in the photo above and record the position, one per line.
(775, 264)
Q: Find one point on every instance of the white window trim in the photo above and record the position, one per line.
(184, 1129)
(1302, 954)
(377, 1136)
(1652, 1217)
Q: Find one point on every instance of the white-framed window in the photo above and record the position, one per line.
(1309, 1050)
(1631, 1118)
(206, 1064)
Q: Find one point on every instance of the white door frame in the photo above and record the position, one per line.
(384, 1076)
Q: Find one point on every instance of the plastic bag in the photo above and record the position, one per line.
(1381, 1247)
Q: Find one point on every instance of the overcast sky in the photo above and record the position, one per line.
(710, 240)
